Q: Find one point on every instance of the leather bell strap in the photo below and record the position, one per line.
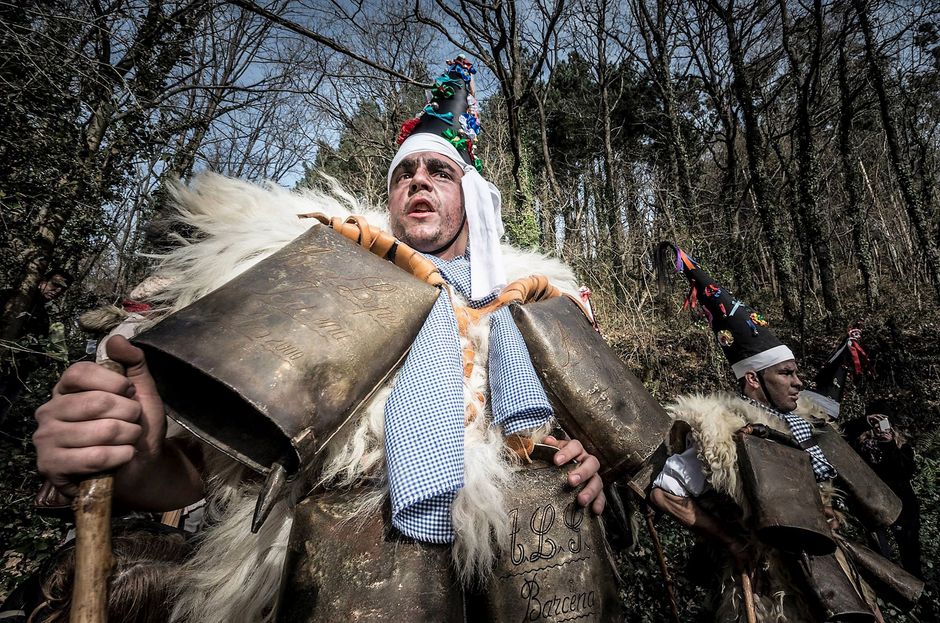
(383, 244)
(526, 290)
(531, 289)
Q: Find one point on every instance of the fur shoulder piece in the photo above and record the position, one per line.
(102, 319)
(713, 419)
(236, 224)
(521, 263)
(809, 410)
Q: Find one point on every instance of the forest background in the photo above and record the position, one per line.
(790, 146)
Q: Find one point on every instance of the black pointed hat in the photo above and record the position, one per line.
(743, 333)
(829, 384)
(449, 126)
(452, 111)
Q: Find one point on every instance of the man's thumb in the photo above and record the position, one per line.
(132, 358)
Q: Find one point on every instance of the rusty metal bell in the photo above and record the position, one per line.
(891, 581)
(343, 566)
(557, 565)
(269, 366)
(835, 593)
(781, 488)
(871, 497)
(598, 400)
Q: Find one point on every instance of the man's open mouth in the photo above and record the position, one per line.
(420, 206)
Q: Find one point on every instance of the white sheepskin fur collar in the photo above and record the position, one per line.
(714, 418)
(235, 575)
(238, 224)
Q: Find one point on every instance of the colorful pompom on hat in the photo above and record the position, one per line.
(743, 333)
(829, 384)
(452, 111)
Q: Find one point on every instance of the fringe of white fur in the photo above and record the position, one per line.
(238, 224)
(714, 419)
(781, 599)
(234, 574)
(478, 513)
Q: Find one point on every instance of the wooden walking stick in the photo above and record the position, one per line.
(93, 560)
(748, 597)
(661, 559)
(92, 550)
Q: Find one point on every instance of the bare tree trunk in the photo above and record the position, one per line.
(36, 256)
(860, 238)
(653, 31)
(609, 203)
(547, 214)
(90, 164)
(730, 193)
(764, 202)
(915, 209)
(814, 228)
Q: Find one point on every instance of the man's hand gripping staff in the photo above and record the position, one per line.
(102, 431)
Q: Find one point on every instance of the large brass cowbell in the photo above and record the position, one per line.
(269, 367)
(779, 483)
(596, 398)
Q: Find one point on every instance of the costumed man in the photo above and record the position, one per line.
(882, 446)
(427, 450)
(889, 453)
(828, 387)
(701, 484)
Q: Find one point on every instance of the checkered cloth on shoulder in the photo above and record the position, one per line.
(424, 414)
(802, 431)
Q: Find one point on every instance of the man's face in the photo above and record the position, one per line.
(53, 287)
(781, 383)
(425, 202)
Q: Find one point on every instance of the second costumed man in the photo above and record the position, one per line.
(708, 486)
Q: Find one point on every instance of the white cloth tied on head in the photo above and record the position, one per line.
(483, 204)
(762, 360)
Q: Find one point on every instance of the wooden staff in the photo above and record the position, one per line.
(93, 559)
(92, 550)
(172, 518)
(661, 559)
(748, 597)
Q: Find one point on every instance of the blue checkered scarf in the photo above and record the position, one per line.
(424, 415)
(802, 431)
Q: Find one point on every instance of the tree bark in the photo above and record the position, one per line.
(609, 204)
(814, 229)
(764, 203)
(548, 215)
(860, 238)
(653, 31)
(915, 208)
(51, 220)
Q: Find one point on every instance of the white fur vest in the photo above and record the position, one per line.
(234, 574)
(713, 420)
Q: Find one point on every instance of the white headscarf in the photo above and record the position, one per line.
(483, 204)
